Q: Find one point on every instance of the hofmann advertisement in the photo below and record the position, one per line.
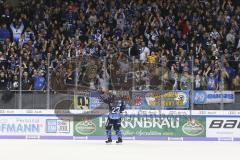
(161, 99)
(208, 97)
(51, 126)
(136, 126)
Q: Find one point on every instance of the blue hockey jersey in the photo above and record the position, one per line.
(116, 106)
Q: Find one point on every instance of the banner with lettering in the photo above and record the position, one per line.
(161, 99)
(208, 97)
(143, 126)
(33, 125)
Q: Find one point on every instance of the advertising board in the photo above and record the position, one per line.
(208, 97)
(31, 125)
(142, 126)
(223, 127)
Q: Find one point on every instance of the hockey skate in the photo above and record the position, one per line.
(109, 140)
(119, 140)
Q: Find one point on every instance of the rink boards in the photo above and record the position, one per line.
(166, 125)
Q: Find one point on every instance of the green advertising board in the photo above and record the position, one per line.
(142, 126)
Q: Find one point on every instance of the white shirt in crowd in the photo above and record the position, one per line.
(17, 32)
(92, 86)
(144, 51)
(230, 37)
(120, 18)
(214, 34)
(104, 81)
(238, 46)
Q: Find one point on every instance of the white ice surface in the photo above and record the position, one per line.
(129, 150)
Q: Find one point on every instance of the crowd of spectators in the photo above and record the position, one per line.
(120, 44)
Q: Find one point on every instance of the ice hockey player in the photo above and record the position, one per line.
(116, 106)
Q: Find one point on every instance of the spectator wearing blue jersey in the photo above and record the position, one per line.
(231, 74)
(39, 81)
(17, 28)
(27, 36)
(4, 33)
(212, 81)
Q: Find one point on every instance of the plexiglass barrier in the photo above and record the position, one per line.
(152, 84)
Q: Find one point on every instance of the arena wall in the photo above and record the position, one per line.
(178, 125)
